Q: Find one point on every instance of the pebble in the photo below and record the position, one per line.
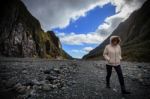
(20, 88)
(35, 87)
(47, 87)
(57, 70)
(36, 82)
(115, 90)
(25, 72)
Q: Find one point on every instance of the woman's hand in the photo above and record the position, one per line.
(108, 59)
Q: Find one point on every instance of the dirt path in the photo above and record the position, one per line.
(63, 79)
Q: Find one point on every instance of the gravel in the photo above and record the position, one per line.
(28, 78)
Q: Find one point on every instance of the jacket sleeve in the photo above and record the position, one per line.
(105, 54)
(120, 56)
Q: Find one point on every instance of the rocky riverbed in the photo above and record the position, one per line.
(28, 78)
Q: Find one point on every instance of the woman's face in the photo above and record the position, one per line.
(115, 41)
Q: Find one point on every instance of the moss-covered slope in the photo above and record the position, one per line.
(21, 34)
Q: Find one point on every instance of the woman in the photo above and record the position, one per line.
(112, 53)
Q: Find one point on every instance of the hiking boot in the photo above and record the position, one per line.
(108, 86)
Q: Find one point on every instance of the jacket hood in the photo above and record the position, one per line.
(113, 37)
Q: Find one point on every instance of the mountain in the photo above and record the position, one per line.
(135, 35)
(21, 34)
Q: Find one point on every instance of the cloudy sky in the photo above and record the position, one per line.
(81, 24)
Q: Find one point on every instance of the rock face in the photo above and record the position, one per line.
(135, 34)
(21, 34)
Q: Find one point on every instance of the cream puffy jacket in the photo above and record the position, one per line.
(112, 53)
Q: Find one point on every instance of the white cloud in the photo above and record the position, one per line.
(123, 10)
(87, 49)
(59, 13)
(60, 34)
(80, 39)
(78, 51)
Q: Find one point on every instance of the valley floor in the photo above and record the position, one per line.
(27, 78)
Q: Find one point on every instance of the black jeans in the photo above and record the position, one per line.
(119, 73)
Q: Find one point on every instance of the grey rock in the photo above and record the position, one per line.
(57, 70)
(17, 85)
(36, 82)
(36, 87)
(24, 71)
(47, 87)
(20, 88)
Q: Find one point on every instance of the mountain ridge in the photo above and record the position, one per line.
(135, 34)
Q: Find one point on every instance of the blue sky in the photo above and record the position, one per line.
(84, 25)
(91, 21)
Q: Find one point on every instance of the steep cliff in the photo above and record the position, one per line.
(21, 34)
(135, 35)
